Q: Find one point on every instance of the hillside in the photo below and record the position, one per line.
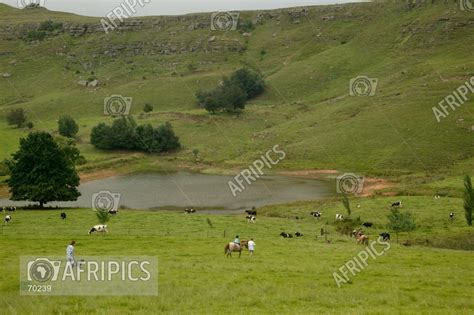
(419, 53)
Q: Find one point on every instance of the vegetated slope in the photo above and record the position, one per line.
(419, 53)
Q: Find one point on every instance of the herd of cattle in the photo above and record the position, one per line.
(251, 216)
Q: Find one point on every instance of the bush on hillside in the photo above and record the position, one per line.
(50, 26)
(67, 126)
(124, 134)
(16, 117)
(233, 93)
(148, 108)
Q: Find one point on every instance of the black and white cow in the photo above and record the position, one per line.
(298, 234)
(7, 219)
(339, 217)
(12, 209)
(113, 211)
(189, 210)
(437, 197)
(251, 219)
(367, 224)
(397, 204)
(99, 228)
(251, 212)
(316, 214)
(451, 216)
(385, 236)
(63, 215)
(286, 235)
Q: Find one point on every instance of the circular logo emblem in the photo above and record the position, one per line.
(30, 3)
(104, 201)
(41, 270)
(348, 184)
(223, 21)
(116, 105)
(362, 87)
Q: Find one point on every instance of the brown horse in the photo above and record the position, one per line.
(232, 247)
(360, 237)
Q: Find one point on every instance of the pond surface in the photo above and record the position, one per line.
(181, 189)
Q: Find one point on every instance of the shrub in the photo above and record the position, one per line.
(233, 93)
(29, 125)
(148, 108)
(16, 117)
(67, 127)
(50, 26)
(468, 199)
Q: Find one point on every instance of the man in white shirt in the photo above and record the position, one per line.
(70, 254)
(251, 245)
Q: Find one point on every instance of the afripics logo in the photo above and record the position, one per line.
(350, 184)
(363, 86)
(22, 4)
(467, 5)
(96, 275)
(43, 269)
(224, 21)
(116, 105)
(106, 201)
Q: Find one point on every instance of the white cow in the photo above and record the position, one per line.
(100, 228)
(339, 217)
(7, 219)
(251, 218)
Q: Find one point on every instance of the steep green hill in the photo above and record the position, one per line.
(419, 53)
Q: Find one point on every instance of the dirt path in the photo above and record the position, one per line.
(371, 184)
(95, 175)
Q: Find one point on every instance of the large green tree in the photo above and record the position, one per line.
(42, 172)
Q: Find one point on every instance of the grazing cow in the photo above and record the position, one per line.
(113, 211)
(339, 217)
(7, 219)
(437, 197)
(100, 228)
(368, 224)
(316, 214)
(298, 234)
(286, 235)
(190, 210)
(12, 209)
(385, 236)
(397, 204)
(251, 212)
(251, 218)
(451, 216)
(63, 215)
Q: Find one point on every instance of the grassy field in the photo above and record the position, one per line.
(288, 276)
